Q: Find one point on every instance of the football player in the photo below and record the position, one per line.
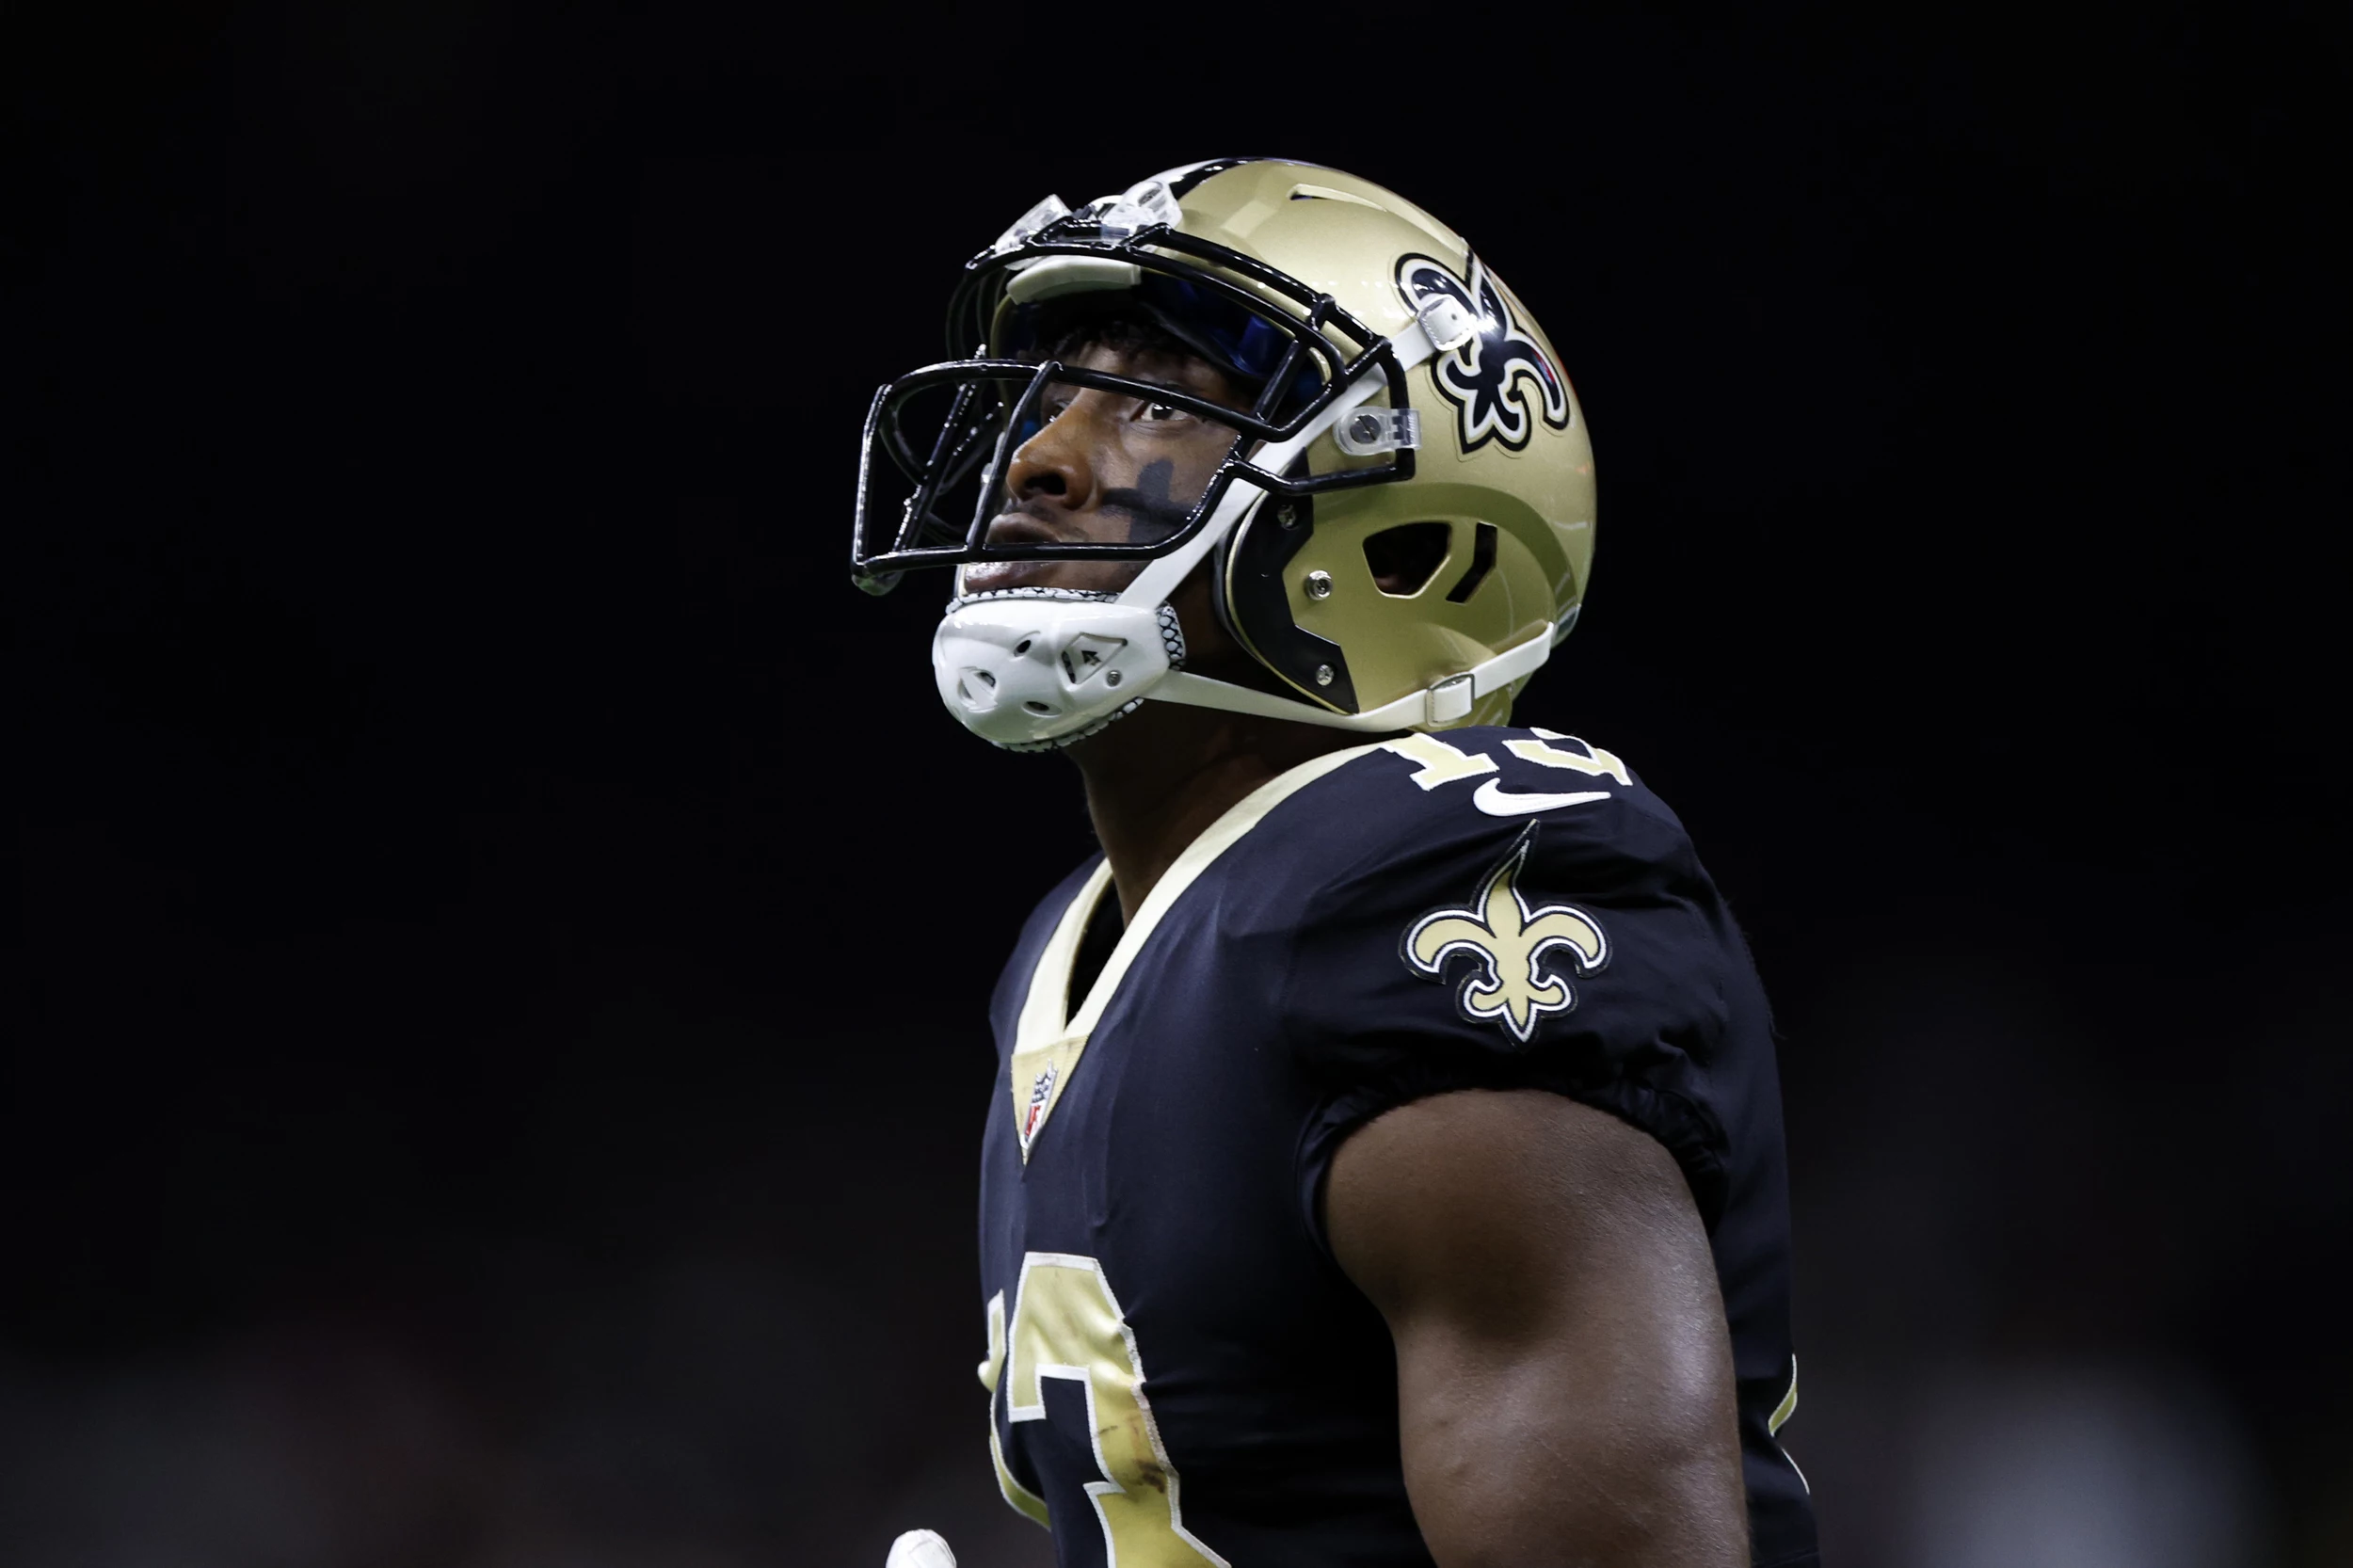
(1385, 1164)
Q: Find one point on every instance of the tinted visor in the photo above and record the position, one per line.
(1263, 356)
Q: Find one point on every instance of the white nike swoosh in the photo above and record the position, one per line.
(1497, 801)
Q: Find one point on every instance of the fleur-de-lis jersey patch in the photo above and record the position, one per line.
(1508, 943)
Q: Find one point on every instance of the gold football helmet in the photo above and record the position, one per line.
(1400, 534)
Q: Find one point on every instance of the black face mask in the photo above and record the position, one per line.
(939, 439)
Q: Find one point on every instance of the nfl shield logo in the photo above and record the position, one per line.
(1040, 1092)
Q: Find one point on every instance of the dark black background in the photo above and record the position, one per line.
(494, 1044)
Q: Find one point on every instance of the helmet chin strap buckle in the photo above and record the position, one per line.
(1450, 326)
(1451, 700)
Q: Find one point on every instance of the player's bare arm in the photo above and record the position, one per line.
(1564, 1380)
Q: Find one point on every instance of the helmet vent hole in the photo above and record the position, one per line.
(1403, 559)
(1482, 562)
(1043, 710)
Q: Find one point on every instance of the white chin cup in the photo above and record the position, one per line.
(1033, 669)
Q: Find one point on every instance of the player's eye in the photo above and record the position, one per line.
(1161, 413)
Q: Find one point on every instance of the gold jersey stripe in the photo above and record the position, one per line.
(1789, 1405)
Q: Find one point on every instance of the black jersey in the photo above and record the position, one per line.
(1180, 1373)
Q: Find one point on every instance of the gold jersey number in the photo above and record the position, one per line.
(1066, 1323)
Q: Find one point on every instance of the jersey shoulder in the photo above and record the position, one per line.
(1425, 807)
(1520, 859)
(1508, 907)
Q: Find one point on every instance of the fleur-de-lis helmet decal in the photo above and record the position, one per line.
(1508, 943)
(1481, 374)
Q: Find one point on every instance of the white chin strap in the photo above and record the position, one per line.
(1033, 669)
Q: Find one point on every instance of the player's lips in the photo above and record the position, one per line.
(1013, 528)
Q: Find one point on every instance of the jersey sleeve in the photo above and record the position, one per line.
(1578, 949)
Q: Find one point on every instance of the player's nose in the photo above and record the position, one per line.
(1054, 463)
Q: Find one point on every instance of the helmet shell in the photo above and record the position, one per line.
(1505, 462)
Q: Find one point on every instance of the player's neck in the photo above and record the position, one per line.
(1159, 777)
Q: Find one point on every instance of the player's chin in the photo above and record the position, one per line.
(984, 577)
